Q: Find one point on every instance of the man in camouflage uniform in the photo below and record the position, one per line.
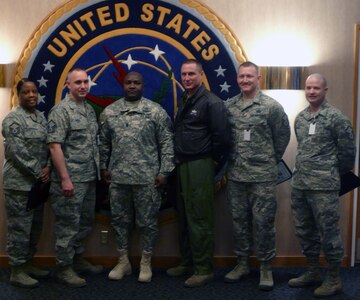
(260, 135)
(136, 158)
(72, 140)
(325, 151)
(26, 162)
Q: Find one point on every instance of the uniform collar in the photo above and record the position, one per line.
(34, 116)
(322, 111)
(74, 106)
(137, 108)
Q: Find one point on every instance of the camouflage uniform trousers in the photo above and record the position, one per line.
(141, 202)
(253, 206)
(24, 227)
(74, 219)
(316, 218)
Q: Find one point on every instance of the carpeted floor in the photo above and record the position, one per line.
(164, 287)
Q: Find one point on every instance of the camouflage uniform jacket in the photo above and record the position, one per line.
(26, 152)
(260, 133)
(136, 143)
(326, 153)
(76, 130)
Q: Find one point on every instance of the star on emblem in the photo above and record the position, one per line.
(129, 62)
(220, 71)
(42, 82)
(225, 87)
(91, 83)
(41, 99)
(48, 66)
(157, 52)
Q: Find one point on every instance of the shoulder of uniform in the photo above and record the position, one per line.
(16, 113)
(59, 106)
(232, 100)
(301, 113)
(113, 106)
(270, 102)
(266, 98)
(149, 102)
(12, 114)
(336, 113)
(152, 106)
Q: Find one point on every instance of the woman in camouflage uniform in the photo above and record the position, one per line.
(26, 162)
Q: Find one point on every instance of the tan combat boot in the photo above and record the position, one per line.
(31, 270)
(20, 278)
(241, 270)
(179, 270)
(67, 275)
(266, 279)
(310, 277)
(145, 267)
(81, 265)
(331, 284)
(199, 280)
(122, 268)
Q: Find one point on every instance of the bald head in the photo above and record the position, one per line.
(134, 74)
(315, 91)
(319, 77)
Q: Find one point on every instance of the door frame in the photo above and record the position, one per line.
(355, 236)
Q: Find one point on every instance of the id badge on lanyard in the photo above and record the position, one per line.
(312, 128)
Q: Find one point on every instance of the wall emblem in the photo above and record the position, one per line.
(111, 38)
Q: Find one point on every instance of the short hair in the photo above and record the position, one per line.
(21, 83)
(319, 76)
(193, 61)
(250, 64)
(73, 69)
(137, 73)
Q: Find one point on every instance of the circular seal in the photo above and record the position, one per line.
(110, 38)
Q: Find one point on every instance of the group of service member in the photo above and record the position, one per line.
(134, 149)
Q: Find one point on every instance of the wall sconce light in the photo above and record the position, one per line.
(2, 75)
(279, 78)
